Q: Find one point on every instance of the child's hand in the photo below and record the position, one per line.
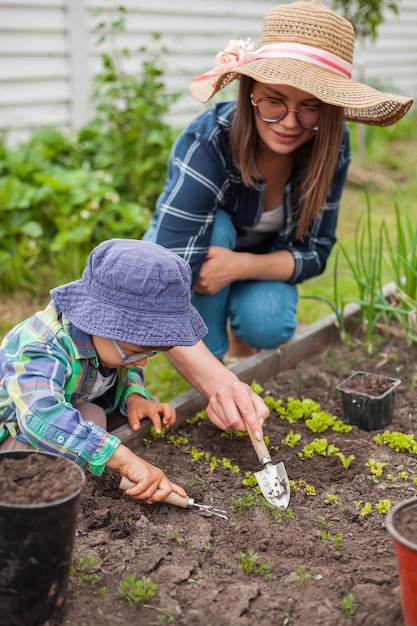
(138, 407)
(152, 485)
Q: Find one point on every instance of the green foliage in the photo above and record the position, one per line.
(398, 441)
(136, 591)
(365, 15)
(383, 506)
(301, 576)
(347, 605)
(84, 575)
(249, 563)
(244, 504)
(62, 194)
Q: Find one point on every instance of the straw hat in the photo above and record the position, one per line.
(305, 45)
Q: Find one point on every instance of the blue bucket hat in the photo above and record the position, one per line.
(133, 291)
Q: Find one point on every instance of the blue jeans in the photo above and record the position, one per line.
(262, 313)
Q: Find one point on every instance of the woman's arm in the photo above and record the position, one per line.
(229, 398)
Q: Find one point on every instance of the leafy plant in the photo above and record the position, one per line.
(249, 563)
(136, 591)
(244, 504)
(383, 506)
(84, 575)
(376, 469)
(347, 605)
(301, 576)
(365, 510)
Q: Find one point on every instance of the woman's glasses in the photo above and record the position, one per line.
(133, 357)
(271, 110)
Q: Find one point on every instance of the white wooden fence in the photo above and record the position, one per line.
(48, 52)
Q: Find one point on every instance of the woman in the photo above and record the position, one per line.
(253, 189)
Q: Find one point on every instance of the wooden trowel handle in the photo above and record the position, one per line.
(261, 450)
(172, 498)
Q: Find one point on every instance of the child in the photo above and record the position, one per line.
(252, 195)
(67, 367)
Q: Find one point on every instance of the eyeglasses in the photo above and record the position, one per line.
(271, 110)
(133, 357)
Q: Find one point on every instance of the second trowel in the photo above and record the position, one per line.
(272, 480)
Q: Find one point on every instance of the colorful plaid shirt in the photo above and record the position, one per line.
(203, 177)
(46, 364)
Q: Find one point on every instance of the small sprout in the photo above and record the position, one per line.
(249, 480)
(198, 417)
(257, 388)
(366, 510)
(242, 505)
(136, 591)
(309, 490)
(249, 560)
(383, 506)
(227, 464)
(291, 439)
(376, 468)
(84, 574)
(301, 576)
(178, 441)
(331, 498)
(347, 605)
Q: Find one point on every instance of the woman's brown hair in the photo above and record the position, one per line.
(318, 157)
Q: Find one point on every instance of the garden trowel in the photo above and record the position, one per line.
(273, 479)
(174, 498)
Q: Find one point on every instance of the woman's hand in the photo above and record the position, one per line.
(229, 398)
(138, 407)
(217, 270)
(234, 401)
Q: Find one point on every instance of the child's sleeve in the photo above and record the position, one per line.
(135, 383)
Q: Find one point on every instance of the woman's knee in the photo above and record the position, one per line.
(263, 314)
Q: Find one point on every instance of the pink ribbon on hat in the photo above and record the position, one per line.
(235, 56)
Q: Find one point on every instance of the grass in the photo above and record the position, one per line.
(388, 175)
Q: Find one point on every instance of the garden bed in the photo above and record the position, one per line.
(325, 561)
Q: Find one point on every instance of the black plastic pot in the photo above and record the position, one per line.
(36, 544)
(364, 410)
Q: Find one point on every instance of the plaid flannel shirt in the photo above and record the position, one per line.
(45, 363)
(203, 177)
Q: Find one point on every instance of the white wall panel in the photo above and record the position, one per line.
(48, 52)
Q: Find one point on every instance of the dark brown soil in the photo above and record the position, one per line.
(32, 478)
(370, 384)
(321, 562)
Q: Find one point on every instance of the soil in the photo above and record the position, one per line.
(320, 562)
(32, 478)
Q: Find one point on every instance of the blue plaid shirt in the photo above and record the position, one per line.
(203, 177)
(46, 365)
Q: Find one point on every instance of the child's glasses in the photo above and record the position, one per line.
(133, 357)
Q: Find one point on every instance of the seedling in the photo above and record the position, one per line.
(376, 468)
(178, 441)
(331, 498)
(244, 504)
(398, 441)
(301, 576)
(347, 605)
(174, 536)
(197, 481)
(84, 574)
(383, 506)
(248, 561)
(136, 591)
(201, 416)
(365, 510)
(291, 439)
